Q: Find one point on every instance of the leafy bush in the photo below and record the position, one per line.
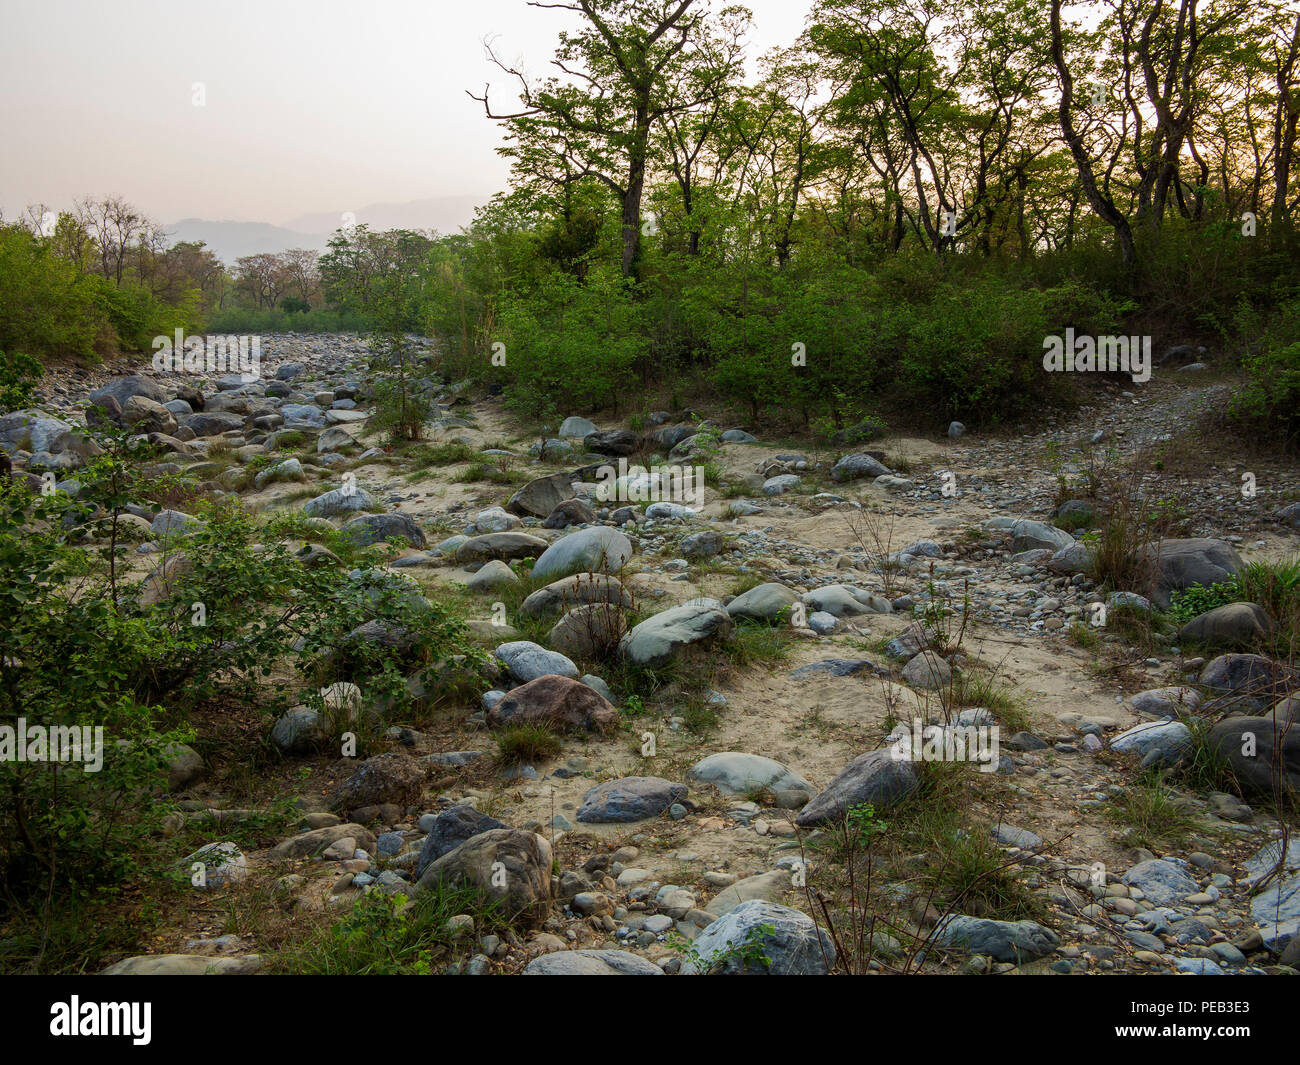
(1194, 601)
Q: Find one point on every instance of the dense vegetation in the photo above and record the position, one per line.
(890, 217)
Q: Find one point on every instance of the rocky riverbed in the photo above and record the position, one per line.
(901, 580)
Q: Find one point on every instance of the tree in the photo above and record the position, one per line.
(633, 64)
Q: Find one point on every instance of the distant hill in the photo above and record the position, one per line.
(229, 240)
(446, 214)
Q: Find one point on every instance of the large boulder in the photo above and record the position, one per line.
(570, 512)
(598, 549)
(1006, 941)
(737, 773)
(612, 442)
(591, 962)
(339, 501)
(761, 939)
(555, 701)
(122, 389)
(509, 865)
(30, 431)
(846, 601)
(659, 638)
(387, 778)
(575, 590)
(1249, 682)
(527, 661)
(575, 426)
(588, 631)
(1262, 751)
(1233, 625)
(629, 799)
(766, 602)
(504, 546)
(373, 528)
(309, 844)
(1027, 535)
(1158, 743)
(540, 497)
(146, 415)
(449, 830)
(1162, 882)
(212, 422)
(1276, 908)
(855, 467)
(878, 777)
(1176, 565)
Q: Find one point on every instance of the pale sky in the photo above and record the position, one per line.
(325, 105)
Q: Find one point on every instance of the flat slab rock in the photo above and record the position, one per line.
(185, 965)
(1007, 941)
(591, 963)
(629, 799)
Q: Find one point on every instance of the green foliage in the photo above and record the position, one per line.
(1196, 600)
(18, 377)
(391, 935)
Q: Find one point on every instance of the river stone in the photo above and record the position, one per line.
(877, 777)
(541, 496)
(574, 590)
(762, 939)
(629, 799)
(598, 549)
(766, 602)
(1177, 565)
(527, 661)
(1235, 625)
(525, 859)
(591, 962)
(575, 426)
(185, 965)
(1027, 535)
(554, 701)
(339, 501)
(737, 773)
(845, 601)
(1006, 941)
(657, 639)
(1162, 883)
(854, 467)
(505, 546)
(450, 828)
(1158, 742)
(373, 528)
(492, 575)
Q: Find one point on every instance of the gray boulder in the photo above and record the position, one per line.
(374, 528)
(629, 799)
(1006, 941)
(659, 638)
(527, 661)
(855, 467)
(762, 939)
(597, 549)
(877, 777)
(1176, 565)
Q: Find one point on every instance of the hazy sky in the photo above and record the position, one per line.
(320, 106)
